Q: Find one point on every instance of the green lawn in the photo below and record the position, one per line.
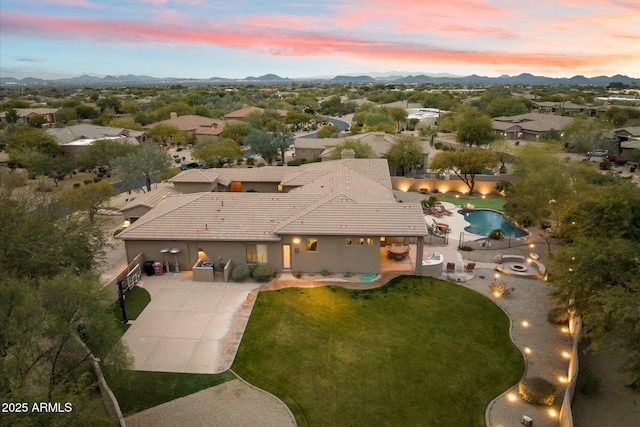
(416, 352)
(136, 300)
(140, 390)
(488, 202)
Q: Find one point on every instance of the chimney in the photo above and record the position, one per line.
(174, 115)
(348, 153)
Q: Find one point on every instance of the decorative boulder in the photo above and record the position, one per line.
(498, 259)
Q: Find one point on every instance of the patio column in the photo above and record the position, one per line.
(419, 254)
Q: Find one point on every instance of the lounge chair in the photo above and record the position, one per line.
(443, 209)
(451, 267)
(470, 266)
(442, 225)
(435, 212)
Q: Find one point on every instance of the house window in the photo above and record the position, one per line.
(348, 241)
(369, 240)
(312, 244)
(361, 240)
(256, 254)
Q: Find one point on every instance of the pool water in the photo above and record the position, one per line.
(483, 221)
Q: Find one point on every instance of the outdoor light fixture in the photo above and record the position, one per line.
(527, 350)
(553, 413)
(525, 323)
(296, 240)
(512, 397)
(126, 223)
(566, 355)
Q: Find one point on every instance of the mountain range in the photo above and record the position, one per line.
(131, 79)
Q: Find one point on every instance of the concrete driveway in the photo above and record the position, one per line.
(188, 326)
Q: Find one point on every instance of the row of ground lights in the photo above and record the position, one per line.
(513, 397)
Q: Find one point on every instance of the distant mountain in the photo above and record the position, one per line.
(353, 79)
(267, 78)
(395, 77)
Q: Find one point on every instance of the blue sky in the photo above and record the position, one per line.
(235, 39)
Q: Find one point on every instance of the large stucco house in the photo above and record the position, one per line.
(529, 126)
(332, 215)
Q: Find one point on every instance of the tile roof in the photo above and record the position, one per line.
(150, 199)
(341, 215)
(218, 216)
(342, 197)
(69, 134)
(380, 143)
(198, 125)
(534, 122)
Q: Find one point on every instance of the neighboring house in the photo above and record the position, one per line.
(73, 138)
(322, 148)
(629, 142)
(562, 107)
(24, 114)
(199, 127)
(530, 126)
(330, 215)
(242, 113)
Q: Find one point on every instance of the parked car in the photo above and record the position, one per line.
(612, 157)
(597, 153)
(189, 165)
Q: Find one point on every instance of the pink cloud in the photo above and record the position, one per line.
(287, 42)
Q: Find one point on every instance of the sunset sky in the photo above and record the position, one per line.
(239, 38)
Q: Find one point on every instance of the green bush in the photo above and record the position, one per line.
(88, 181)
(325, 272)
(294, 162)
(240, 273)
(558, 316)
(179, 149)
(605, 165)
(538, 391)
(438, 145)
(76, 185)
(589, 383)
(97, 179)
(263, 273)
(466, 248)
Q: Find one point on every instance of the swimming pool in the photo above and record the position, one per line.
(482, 221)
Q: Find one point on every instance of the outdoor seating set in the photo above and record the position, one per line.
(468, 267)
(398, 252)
(439, 210)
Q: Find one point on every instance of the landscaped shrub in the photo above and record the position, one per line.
(589, 383)
(558, 315)
(97, 179)
(263, 272)
(423, 190)
(538, 391)
(87, 181)
(76, 185)
(179, 149)
(240, 273)
(325, 272)
(466, 248)
(250, 161)
(295, 162)
(438, 145)
(605, 165)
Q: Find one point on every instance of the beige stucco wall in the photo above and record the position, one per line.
(334, 255)
(193, 187)
(485, 184)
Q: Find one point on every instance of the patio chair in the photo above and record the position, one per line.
(444, 210)
(470, 266)
(451, 267)
(435, 212)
